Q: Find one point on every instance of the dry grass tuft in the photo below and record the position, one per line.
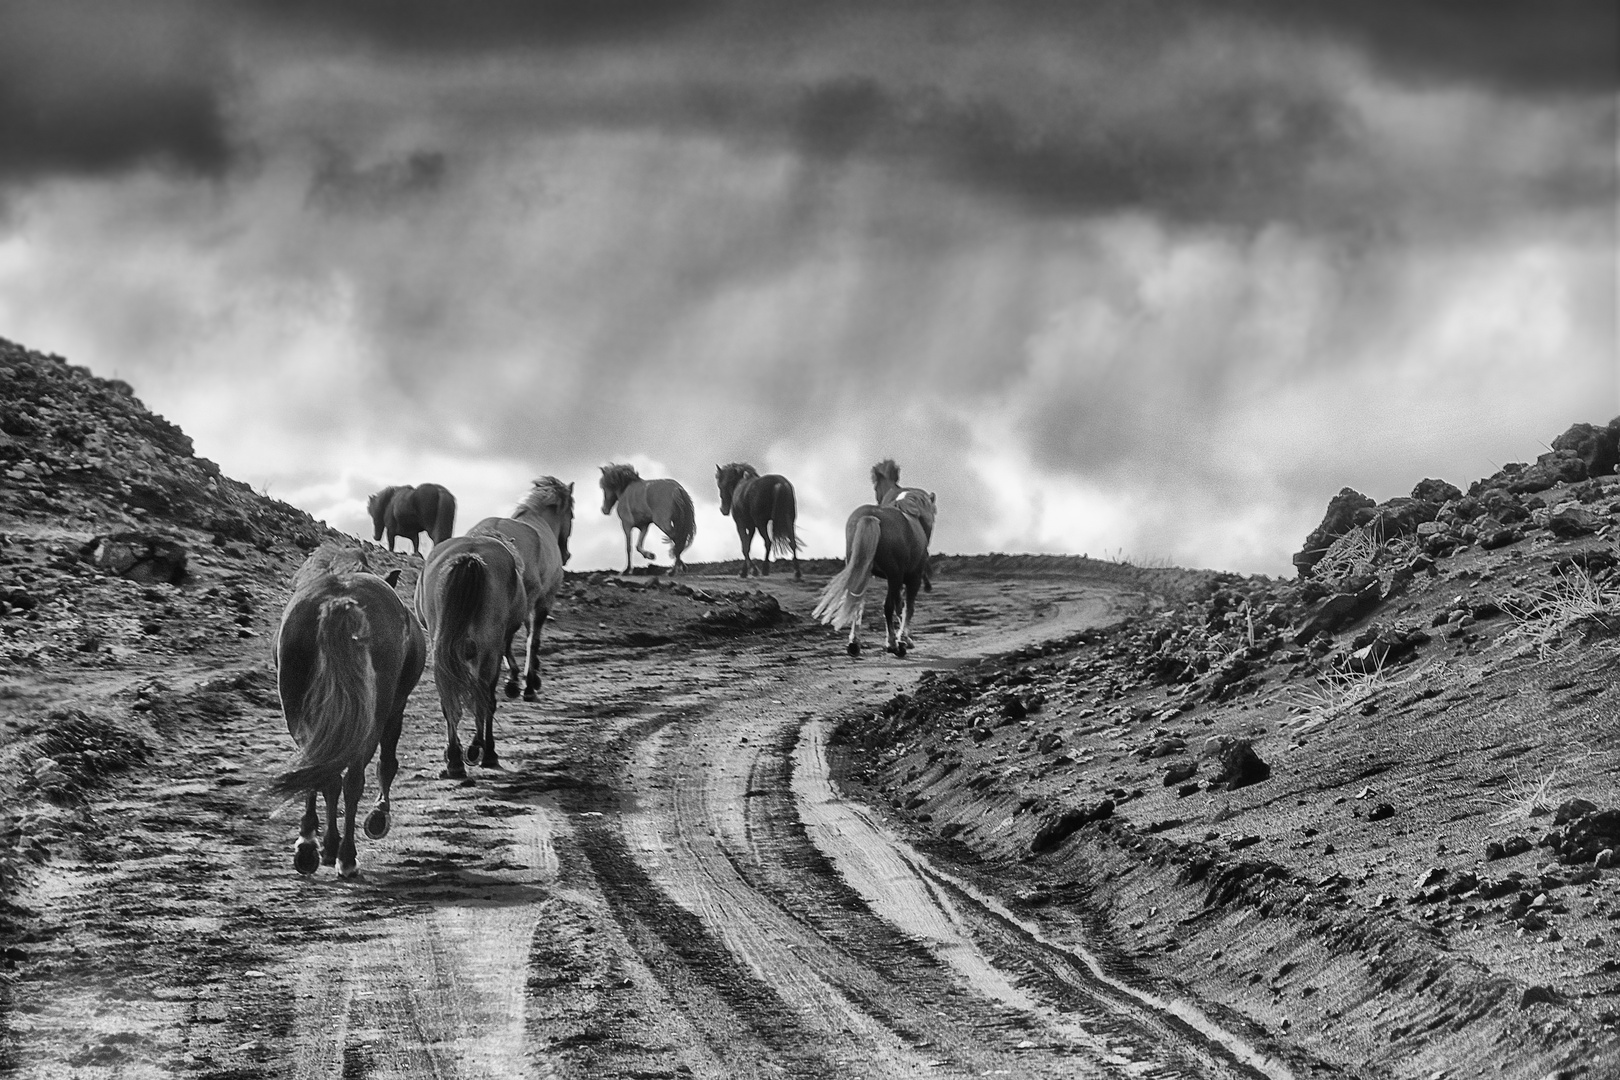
(1576, 603)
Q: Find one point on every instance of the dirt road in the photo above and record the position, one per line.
(662, 881)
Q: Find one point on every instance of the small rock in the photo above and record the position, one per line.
(1381, 811)
(1430, 878)
(1536, 995)
(1570, 809)
(1179, 772)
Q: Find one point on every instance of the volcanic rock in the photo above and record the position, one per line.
(1435, 491)
(1597, 448)
(138, 556)
(1346, 510)
(1060, 827)
(1236, 763)
(1340, 609)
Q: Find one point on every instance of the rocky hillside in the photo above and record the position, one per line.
(1374, 807)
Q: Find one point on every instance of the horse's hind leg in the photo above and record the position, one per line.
(354, 782)
(641, 545)
(329, 843)
(511, 668)
(377, 822)
(455, 767)
(306, 857)
(531, 667)
(485, 719)
(893, 619)
(905, 619)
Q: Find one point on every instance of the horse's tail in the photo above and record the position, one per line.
(444, 522)
(784, 509)
(339, 709)
(843, 601)
(455, 653)
(682, 522)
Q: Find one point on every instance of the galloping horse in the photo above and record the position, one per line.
(643, 503)
(890, 543)
(539, 529)
(404, 510)
(755, 502)
(472, 600)
(347, 655)
(914, 501)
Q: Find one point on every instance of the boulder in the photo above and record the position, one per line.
(1571, 519)
(1057, 828)
(1346, 510)
(1236, 763)
(138, 556)
(1400, 517)
(1595, 447)
(1339, 610)
(1435, 491)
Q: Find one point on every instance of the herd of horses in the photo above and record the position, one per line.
(348, 651)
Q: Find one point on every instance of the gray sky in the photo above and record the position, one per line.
(1137, 278)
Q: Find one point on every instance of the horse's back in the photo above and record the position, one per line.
(902, 544)
(759, 501)
(502, 563)
(537, 547)
(436, 509)
(394, 642)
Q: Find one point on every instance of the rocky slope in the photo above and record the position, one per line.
(1373, 808)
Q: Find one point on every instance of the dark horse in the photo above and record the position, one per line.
(886, 487)
(756, 502)
(472, 600)
(892, 544)
(347, 655)
(404, 510)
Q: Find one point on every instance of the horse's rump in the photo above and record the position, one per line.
(843, 600)
(781, 512)
(669, 500)
(439, 518)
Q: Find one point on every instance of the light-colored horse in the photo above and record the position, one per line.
(539, 528)
(347, 655)
(404, 510)
(757, 503)
(472, 600)
(644, 503)
(890, 543)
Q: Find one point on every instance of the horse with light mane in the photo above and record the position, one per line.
(914, 501)
(890, 543)
(539, 528)
(471, 598)
(644, 503)
(403, 510)
(347, 655)
(757, 503)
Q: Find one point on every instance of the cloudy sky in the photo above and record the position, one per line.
(1127, 277)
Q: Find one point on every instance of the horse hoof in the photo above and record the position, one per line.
(305, 857)
(377, 824)
(511, 690)
(457, 773)
(530, 695)
(474, 752)
(853, 648)
(328, 860)
(489, 760)
(349, 870)
(900, 651)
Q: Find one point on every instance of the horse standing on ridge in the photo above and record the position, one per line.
(890, 543)
(644, 503)
(756, 502)
(347, 655)
(404, 510)
(472, 600)
(539, 528)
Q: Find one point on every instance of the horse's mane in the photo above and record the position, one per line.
(618, 477)
(328, 559)
(886, 470)
(547, 491)
(741, 469)
(379, 501)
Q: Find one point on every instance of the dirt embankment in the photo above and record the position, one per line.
(1373, 810)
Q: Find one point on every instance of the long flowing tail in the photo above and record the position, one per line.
(843, 601)
(455, 653)
(444, 526)
(340, 707)
(784, 509)
(682, 523)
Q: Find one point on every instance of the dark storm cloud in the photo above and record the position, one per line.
(93, 88)
(479, 25)
(339, 185)
(1551, 46)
